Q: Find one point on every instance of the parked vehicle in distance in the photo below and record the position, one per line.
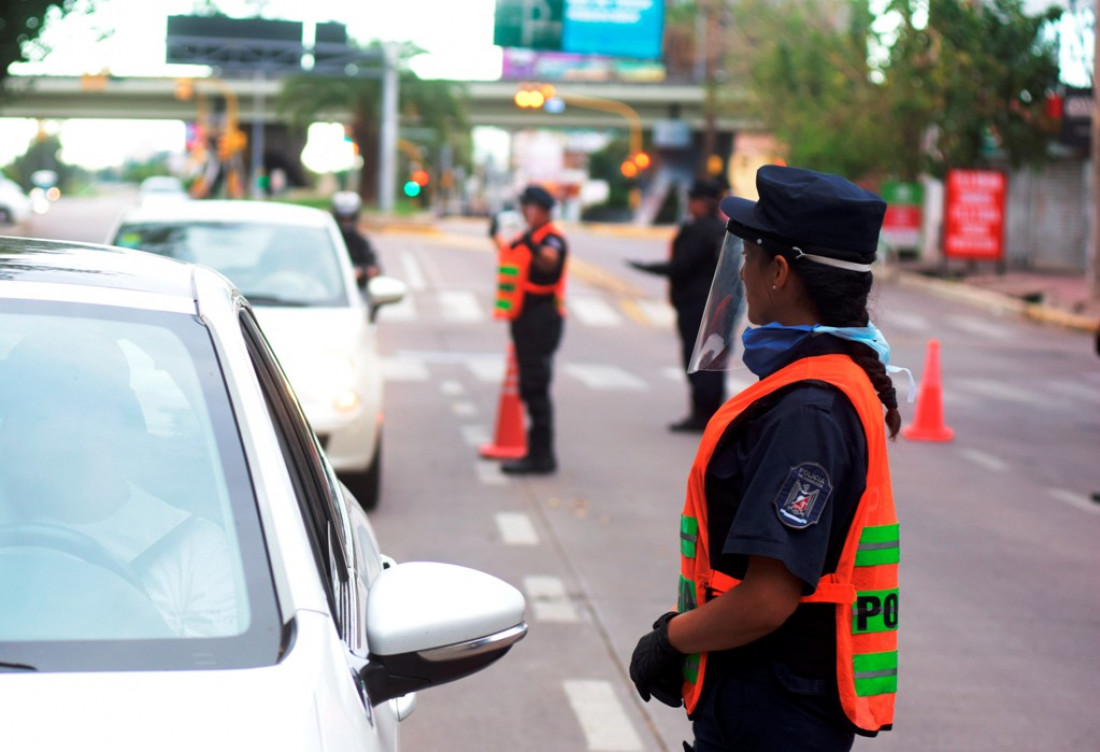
(15, 204)
(180, 568)
(161, 188)
(292, 264)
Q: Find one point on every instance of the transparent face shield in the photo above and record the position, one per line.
(716, 343)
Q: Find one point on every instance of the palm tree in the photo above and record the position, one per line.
(435, 108)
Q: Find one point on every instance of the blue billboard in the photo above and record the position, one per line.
(618, 28)
(612, 28)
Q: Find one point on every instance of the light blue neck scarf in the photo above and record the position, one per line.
(766, 346)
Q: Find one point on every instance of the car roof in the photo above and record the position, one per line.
(86, 265)
(207, 210)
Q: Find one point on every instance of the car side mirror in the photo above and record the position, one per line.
(385, 290)
(429, 624)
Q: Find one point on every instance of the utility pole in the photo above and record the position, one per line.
(387, 142)
(1093, 265)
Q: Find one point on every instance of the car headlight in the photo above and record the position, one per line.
(332, 376)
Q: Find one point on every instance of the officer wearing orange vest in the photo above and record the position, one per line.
(785, 634)
(530, 296)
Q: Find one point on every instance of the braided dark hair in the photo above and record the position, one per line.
(840, 298)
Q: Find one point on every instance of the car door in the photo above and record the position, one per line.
(340, 550)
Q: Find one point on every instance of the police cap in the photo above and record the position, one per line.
(816, 212)
(537, 195)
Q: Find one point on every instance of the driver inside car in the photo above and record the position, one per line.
(71, 433)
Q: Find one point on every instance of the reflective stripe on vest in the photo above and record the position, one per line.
(864, 588)
(513, 271)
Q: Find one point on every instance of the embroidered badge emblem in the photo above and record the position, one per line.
(802, 498)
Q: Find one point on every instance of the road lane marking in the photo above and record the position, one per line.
(659, 315)
(1074, 499)
(475, 435)
(597, 376)
(452, 388)
(549, 599)
(516, 528)
(414, 278)
(988, 461)
(1076, 391)
(460, 306)
(487, 370)
(981, 327)
(464, 408)
(403, 369)
(902, 320)
(592, 311)
(489, 474)
(601, 716)
(999, 390)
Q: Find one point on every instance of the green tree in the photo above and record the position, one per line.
(845, 98)
(991, 70)
(21, 22)
(435, 109)
(42, 154)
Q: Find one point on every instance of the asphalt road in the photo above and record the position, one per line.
(999, 563)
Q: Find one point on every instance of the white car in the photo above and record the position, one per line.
(15, 204)
(179, 567)
(161, 188)
(292, 264)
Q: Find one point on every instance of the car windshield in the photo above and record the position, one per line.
(129, 536)
(271, 263)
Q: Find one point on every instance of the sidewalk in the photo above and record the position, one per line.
(1060, 298)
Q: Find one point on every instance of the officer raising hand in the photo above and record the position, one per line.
(530, 296)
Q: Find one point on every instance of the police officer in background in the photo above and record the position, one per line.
(690, 269)
(345, 208)
(785, 634)
(530, 296)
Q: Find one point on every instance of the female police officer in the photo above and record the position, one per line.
(785, 636)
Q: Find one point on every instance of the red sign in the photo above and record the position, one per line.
(974, 215)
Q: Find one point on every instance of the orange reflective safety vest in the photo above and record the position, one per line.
(865, 584)
(513, 275)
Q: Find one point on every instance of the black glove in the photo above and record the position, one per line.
(640, 265)
(494, 226)
(656, 668)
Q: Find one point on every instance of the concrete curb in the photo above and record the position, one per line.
(991, 301)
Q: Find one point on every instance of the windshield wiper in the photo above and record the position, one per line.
(274, 300)
(4, 665)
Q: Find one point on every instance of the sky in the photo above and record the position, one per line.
(126, 37)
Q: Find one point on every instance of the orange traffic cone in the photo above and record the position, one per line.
(510, 439)
(928, 424)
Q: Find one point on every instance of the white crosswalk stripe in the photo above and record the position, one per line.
(603, 376)
(602, 717)
(659, 314)
(981, 327)
(404, 369)
(460, 307)
(593, 311)
(414, 278)
(549, 600)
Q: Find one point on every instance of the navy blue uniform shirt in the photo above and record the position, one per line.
(784, 482)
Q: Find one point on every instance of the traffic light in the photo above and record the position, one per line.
(533, 96)
(634, 164)
(418, 180)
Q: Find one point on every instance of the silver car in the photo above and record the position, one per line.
(179, 566)
(292, 265)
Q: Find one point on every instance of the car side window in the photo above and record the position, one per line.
(319, 498)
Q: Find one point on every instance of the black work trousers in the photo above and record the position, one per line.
(536, 335)
(767, 708)
(708, 388)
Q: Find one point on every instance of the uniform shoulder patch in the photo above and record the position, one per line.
(553, 241)
(802, 498)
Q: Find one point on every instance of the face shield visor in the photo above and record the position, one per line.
(724, 314)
